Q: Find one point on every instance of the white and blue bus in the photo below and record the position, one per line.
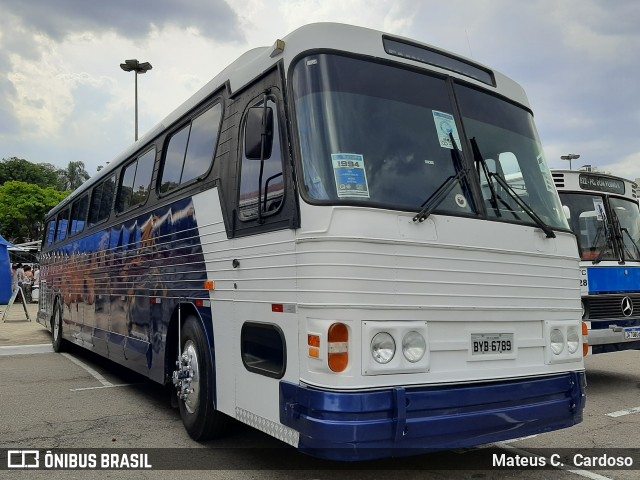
(602, 211)
(323, 243)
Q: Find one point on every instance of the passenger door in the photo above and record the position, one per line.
(265, 218)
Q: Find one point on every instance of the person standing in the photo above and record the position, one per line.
(28, 282)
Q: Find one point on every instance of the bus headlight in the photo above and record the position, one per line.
(413, 346)
(556, 340)
(573, 339)
(383, 347)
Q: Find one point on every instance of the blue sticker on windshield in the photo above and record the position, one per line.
(445, 127)
(351, 177)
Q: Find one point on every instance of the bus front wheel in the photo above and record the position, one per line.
(194, 381)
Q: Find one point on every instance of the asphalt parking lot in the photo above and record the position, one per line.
(76, 400)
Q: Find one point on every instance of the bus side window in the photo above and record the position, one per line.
(79, 214)
(191, 150)
(135, 182)
(102, 200)
(51, 231)
(63, 225)
(272, 190)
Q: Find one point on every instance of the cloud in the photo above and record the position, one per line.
(132, 19)
(630, 165)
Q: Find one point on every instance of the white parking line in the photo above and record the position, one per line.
(574, 470)
(621, 413)
(26, 349)
(104, 386)
(91, 371)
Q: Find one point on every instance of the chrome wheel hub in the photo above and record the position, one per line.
(187, 379)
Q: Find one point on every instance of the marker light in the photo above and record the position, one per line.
(413, 346)
(338, 346)
(383, 347)
(313, 342)
(573, 339)
(557, 341)
(585, 339)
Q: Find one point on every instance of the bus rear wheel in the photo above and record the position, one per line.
(56, 329)
(194, 380)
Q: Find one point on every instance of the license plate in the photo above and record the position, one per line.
(491, 343)
(632, 333)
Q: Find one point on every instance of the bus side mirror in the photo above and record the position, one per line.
(567, 212)
(259, 126)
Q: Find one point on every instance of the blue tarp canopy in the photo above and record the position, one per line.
(5, 271)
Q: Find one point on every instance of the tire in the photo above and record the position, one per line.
(199, 415)
(56, 329)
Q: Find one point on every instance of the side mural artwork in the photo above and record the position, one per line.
(118, 285)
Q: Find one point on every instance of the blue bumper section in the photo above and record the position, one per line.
(408, 421)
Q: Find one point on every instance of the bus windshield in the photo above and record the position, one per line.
(384, 136)
(588, 219)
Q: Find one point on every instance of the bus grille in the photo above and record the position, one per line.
(558, 179)
(610, 306)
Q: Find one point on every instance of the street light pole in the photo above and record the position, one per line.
(136, 67)
(571, 156)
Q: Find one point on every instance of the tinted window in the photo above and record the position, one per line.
(79, 214)
(376, 134)
(51, 231)
(190, 150)
(126, 187)
(102, 200)
(202, 144)
(136, 180)
(63, 225)
(272, 180)
(174, 160)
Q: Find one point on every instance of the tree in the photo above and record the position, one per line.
(74, 175)
(23, 207)
(20, 170)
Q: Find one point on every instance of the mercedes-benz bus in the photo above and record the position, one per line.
(323, 243)
(602, 211)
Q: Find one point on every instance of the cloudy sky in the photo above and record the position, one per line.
(63, 96)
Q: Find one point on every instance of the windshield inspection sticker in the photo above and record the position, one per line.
(351, 177)
(598, 206)
(445, 125)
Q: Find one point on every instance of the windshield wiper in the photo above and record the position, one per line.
(436, 198)
(620, 238)
(633, 242)
(607, 241)
(507, 188)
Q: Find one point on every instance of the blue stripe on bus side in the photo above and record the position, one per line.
(613, 279)
(106, 281)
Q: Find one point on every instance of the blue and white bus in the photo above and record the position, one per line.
(602, 210)
(322, 243)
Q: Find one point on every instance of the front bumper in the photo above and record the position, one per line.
(610, 335)
(407, 421)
